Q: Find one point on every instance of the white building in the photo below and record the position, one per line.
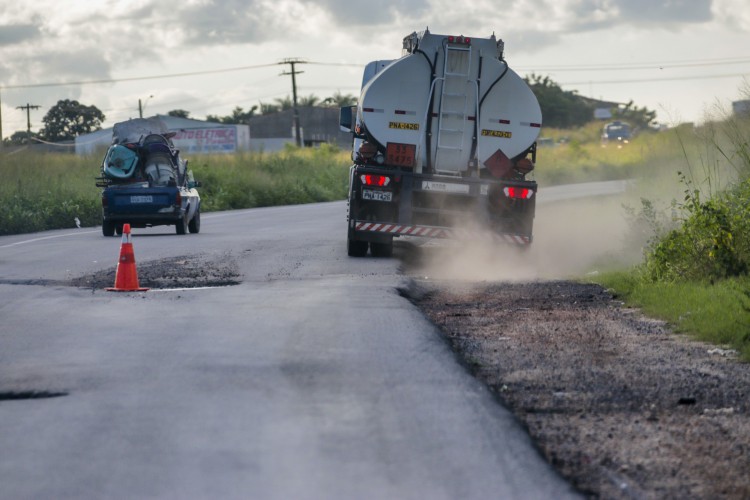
(192, 137)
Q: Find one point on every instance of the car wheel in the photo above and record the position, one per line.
(195, 224)
(118, 229)
(108, 228)
(181, 226)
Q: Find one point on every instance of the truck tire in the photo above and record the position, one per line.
(356, 248)
(181, 226)
(381, 249)
(195, 223)
(108, 228)
(118, 229)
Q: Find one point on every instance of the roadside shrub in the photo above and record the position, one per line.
(712, 243)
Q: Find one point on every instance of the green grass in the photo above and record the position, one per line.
(42, 191)
(718, 313)
(47, 191)
(293, 176)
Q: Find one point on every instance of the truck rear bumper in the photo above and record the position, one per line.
(432, 206)
(380, 229)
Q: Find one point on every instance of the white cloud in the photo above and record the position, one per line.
(69, 40)
(733, 13)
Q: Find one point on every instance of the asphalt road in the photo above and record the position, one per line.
(313, 378)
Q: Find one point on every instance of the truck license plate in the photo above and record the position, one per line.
(371, 194)
(141, 199)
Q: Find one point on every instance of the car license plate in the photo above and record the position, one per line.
(141, 199)
(371, 194)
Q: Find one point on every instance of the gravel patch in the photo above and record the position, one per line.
(618, 404)
(185, 271)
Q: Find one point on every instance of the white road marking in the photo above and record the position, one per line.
(47, 238)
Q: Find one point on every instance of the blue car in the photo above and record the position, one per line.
(145, 181)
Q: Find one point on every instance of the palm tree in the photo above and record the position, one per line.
(339, 100)
(310, 100)
(284, 103)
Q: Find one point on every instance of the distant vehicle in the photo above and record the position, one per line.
(444, 140)
(618, 132)
(145, 181)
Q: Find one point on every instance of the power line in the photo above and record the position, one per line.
(634, 66)
(136, 78)
(685, 63)
(651, 80)
(170, 75)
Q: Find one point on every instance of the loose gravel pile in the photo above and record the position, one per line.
(187, 271)
(619, 405)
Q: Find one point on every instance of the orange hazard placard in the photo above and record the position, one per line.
(400, 155)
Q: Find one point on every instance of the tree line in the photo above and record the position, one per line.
(69, 118)
(560, 109)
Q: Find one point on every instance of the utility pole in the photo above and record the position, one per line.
(1, 123)
(295, 110)
(141, 106)
(28, 109)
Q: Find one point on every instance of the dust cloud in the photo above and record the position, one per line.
(571, 239)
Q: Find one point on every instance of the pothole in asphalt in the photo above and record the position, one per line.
(20, 395)
(185, 271)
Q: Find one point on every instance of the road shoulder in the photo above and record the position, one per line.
(618, 404)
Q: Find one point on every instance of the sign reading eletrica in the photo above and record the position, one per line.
(206, 140)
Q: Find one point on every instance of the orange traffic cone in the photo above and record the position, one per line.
(126, 277)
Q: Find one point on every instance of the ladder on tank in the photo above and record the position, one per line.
(452, 150)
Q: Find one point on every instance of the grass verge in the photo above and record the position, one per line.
(718, 313)
(42, 191)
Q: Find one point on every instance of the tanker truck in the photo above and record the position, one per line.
(444, 144)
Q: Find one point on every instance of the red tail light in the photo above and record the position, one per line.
(518, 193)
(178, 199)
(459, 39)
(375, 180)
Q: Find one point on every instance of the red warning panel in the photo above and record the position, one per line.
(400, 155)
(498, 164)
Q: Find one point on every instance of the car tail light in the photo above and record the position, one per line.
(518, 193)
(178, 199)
(375, 180)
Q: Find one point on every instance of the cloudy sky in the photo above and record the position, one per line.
(681, 58)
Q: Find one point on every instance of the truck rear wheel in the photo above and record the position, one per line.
(356, 248)
(381, 249)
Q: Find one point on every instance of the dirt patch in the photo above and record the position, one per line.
(186, 271)
(619, 405)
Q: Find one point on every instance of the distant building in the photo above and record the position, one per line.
(741, 107)
(263, 133)
(317, 125)
(192, 137)
(603, 110)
